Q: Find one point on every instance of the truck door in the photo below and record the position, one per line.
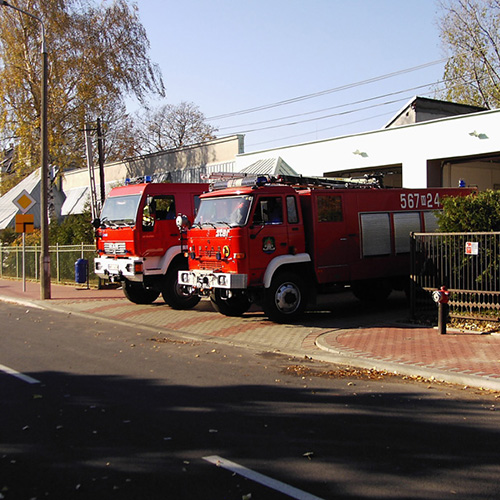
(268, 234)
(158, 225)
(333, 243)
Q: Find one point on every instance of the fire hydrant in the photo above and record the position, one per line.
(442, 297)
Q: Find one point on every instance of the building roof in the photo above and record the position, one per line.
(269, 166)
(8, 210)
(420, 109)
(75, 201)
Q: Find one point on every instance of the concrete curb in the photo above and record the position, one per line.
(405, 368)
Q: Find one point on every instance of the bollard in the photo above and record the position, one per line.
(441, 297)
(81, 270)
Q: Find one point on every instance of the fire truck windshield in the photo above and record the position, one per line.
(120, 210)
(230, 211)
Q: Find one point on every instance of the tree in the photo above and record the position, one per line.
(172, 126)
(469, 31)
(98, 54)
(472, 213)
(74, 229)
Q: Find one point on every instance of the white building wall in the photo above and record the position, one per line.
(411, 146)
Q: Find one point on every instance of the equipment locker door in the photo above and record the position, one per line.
(333, 244)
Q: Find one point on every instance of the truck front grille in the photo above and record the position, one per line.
(115, 248)
(213, 265)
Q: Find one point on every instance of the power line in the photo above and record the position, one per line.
(354, 122)
(332, 107)
(365, 119)
(328, 91)
(343, 113)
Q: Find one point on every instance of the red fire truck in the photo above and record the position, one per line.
(138, 242)
(282, 242)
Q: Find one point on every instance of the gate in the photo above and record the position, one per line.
(468, 264)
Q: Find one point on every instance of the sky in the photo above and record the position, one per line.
(319, 68)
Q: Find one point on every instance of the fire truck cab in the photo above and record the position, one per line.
(138, 242)
(282, 242)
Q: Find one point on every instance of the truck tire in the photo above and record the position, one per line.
(375, 290)
(285, 301)
(136, 293)
(235, 306)
(173, 293)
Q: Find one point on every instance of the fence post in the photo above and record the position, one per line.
(57, 263)
(36, 263)
(17, 262)
(1, 259)
(412, 274)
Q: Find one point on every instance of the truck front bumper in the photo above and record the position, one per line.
(204, 281)
(117, 269)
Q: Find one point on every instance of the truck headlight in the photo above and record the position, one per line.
(221, 280)
(184, 277)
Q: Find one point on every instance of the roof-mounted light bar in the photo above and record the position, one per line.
(138, 180)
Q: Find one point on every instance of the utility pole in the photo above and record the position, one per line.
(44, 170)
(90, 165)
(100, 153)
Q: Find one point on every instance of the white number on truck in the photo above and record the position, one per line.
(415, 201)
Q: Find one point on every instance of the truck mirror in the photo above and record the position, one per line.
(182, 222)
(96, 223)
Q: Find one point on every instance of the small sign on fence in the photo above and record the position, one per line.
(471, 248)
(25, 223)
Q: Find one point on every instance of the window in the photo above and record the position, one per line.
(232, 210)
(120, 210)
(164, 207)
(269, 210)
(157, 208)
(196, 204)
(330, 208)
(376, 234)
(404, 224)
(291, 210)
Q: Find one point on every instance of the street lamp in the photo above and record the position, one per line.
(44, 221)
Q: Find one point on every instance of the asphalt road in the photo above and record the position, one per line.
(101, 411)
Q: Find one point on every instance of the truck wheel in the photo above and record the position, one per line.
(234, 306)
(136, 293)
(284, 301)
(174, 295)
(371, 290)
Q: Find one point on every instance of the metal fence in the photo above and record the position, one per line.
(62, 262)
(468, 264)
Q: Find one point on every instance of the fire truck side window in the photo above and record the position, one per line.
(196, 204)
(269, 210)
(165, 207)
(148, 214)
(291, 210)
(329, 208)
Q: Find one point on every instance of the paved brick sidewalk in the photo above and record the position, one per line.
(456, 356)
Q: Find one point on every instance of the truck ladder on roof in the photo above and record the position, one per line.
(224, 180)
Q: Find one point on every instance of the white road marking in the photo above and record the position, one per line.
(260, 478)
(22, 376)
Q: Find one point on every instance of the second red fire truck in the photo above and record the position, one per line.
(138, 243)
(282, 242)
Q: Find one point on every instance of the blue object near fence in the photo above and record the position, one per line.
(81, 266)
